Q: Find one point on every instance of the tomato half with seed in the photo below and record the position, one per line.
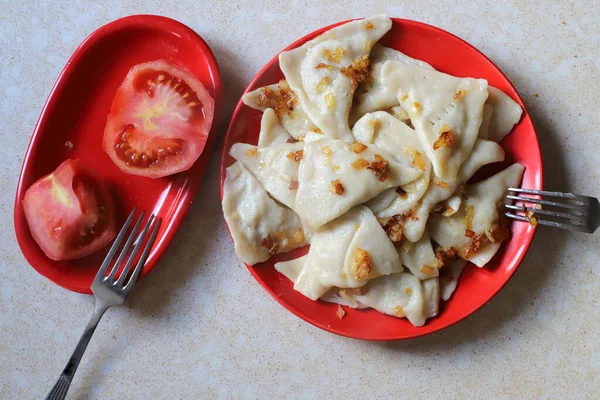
(159, 120)
(70, 212)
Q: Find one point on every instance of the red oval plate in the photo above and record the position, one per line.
(447, 53)
(76, 110)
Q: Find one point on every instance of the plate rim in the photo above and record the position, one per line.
(516, 261)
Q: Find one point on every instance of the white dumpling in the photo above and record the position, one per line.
(325, 71)
(291, 269)
(486, 120)
(347, 253)
(283, 101)
(476, 230)
(260, 227)
(275, 167)
(444, 110)
(484, 152)
(506, 113)
(419, 257)
(449, 279)
(271, 131)
(373, 94)
(431, 297)
(335, 176)
(387, 132)
(399, 295)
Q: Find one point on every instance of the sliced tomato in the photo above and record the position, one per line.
(70, 212)
(159, 120)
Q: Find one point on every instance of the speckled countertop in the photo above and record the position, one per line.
(199, 327)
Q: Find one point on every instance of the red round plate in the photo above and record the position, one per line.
(447, 53)
(76, 111)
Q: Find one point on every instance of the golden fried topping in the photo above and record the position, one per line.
(399, 311)
(444, 255)
(282, 100)
(416, 108)
(531, 217)
(407, 291)
(469, 233)
(357, 147)
(380, 167)
(330, 101)
(446, 139)
(441, 183)
(295, 155)
(293, 185)
(252, 152)
(393, 228)
(427, 270)
(459, 94)
(336, 187)
(291, 140)
(401, 192)
(322, 84)
(361, 264)
(340, 312)
(326, 151)
(476, 243)
(468, 218)
(358, 72)
(360, 163)
(334, 56)
(269, 244)
(369, 25)
(323, 65)
(404, 97)
(317, 130)
(418, 161)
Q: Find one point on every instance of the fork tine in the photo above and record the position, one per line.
(142, 260)
(115, 245)
(579, 217)
(130, 239)
(580, 228)
(135, 251)
(544, 202)
(571, 196)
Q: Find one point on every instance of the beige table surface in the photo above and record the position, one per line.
(199, 327)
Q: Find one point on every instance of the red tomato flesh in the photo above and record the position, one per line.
(70, 213)
(159, 120)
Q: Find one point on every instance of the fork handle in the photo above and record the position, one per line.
(60, 389)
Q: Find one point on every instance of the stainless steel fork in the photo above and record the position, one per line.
(557, 209)
(110, 290)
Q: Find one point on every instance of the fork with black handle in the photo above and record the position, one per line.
(110, 290)
(560, 210)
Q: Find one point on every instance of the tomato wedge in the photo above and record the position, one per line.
(159, 120)
(70, 212)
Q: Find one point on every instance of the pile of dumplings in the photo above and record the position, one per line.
(364, 153)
